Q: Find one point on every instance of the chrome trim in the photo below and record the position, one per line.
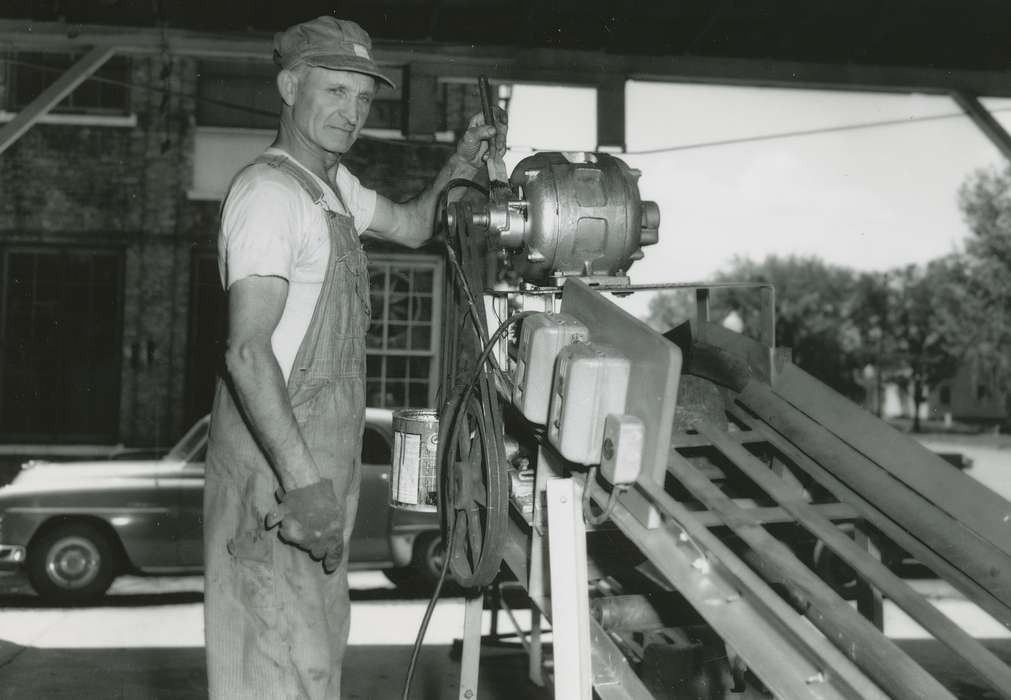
(12, 554)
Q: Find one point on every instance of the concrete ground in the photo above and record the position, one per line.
(145, 640)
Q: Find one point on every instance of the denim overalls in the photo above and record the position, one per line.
(276, 625)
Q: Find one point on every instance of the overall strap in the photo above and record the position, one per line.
(302, 176)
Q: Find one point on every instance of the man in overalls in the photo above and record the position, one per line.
(287, 422)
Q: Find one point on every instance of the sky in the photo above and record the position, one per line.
(868, 199)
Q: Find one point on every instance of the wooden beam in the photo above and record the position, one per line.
(982, 118)
(51, 96)
(997, 674)
(611, 114)
(972, 504)
(869, 512)
(515, 64)
(884, 663)
(948, 539)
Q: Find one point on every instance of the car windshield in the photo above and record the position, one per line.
(191, 443)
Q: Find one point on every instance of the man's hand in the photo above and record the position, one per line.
(311, 518)
(472, 148)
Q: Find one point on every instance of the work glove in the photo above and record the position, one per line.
(311, 518)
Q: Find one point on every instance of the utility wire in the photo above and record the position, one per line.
(649, 151)
(806, 132)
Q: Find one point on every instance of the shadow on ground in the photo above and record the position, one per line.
(371, 673)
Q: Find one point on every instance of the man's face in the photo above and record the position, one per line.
(331, 106)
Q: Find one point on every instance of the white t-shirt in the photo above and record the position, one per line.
(270, 227)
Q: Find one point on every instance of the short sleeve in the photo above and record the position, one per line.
(360, 199)
(260, 227)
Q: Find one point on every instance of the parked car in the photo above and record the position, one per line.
(74, 526)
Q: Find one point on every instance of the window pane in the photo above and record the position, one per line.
(238, 94)
(421, 337)
(418, 367)
(397, 336)
(32, 73)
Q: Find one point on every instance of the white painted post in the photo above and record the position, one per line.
(570, 598)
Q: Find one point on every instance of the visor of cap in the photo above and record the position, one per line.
(341, 61)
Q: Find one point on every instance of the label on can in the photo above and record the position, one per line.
(407, 466)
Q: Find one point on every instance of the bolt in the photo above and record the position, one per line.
(469, 694)
(563, 499)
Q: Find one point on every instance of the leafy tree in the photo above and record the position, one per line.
(815, 314)
(931, 324)
(985, 201)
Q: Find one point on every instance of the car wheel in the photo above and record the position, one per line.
(421, 577)
(72, 563)
(429, 556)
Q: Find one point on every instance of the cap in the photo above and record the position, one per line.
(328, 42)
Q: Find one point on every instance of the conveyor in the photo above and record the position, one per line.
(695, 515)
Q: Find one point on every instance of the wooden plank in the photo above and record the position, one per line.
(992, 669)
(51, 96)
(962, 497)
(967, 586)
(778, 645)
(935, 532)
(768, 515)
(885, 663)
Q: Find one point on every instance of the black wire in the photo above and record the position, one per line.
(423, 629)
(454, 430)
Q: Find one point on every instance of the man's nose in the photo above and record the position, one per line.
(350, 114)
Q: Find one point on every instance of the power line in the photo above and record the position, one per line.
(806, 132)
(650, 151)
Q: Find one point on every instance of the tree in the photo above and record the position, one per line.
(815, 314)
(931, 324)
(985, 201)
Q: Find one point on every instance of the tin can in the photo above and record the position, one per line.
(414, 472)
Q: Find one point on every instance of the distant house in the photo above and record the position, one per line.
(973, 395)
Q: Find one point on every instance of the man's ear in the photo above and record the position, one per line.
(287, 86)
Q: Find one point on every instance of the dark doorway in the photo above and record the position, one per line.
(61, 344)
(208, 333)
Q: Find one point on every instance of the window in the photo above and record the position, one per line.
(945, 395)
(106, 92)
(62, 358)
(982, 392)
(375, 448)
(239, 94)
(402, 341)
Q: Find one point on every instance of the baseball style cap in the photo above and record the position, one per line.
(328, 42)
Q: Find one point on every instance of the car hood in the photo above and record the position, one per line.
(36, 474)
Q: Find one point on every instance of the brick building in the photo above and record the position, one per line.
(111, 313)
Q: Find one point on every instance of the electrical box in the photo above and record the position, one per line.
(591, 381)
(621, 449)
(541, 339)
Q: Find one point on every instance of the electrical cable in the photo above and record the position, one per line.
(612, 499)
(460, 410)
(423, 629)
